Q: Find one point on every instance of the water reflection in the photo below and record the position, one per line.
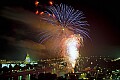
(24, 77)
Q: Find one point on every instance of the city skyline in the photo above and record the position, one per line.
(17, 36)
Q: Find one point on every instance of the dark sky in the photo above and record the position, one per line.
(18, 26)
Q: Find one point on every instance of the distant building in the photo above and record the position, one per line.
(20, 63)
(27, 59)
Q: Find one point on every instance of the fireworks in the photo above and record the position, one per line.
(72, 45)
(66, 19)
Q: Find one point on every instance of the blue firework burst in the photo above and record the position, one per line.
(67, 17)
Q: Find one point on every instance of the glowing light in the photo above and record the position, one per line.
(41, 13)
(36, 12)
(36, 3)
(72, 49)
(116, 59)
(53, 15)
(27, 59)
(48, 14)
(50, 2)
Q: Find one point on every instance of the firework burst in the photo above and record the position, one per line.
(66, 19)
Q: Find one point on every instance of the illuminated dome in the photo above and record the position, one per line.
(27, 59)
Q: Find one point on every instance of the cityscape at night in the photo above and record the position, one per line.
(59, 40)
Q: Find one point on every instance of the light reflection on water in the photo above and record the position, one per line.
(25, 77)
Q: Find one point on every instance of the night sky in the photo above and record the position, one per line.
(20, 26)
